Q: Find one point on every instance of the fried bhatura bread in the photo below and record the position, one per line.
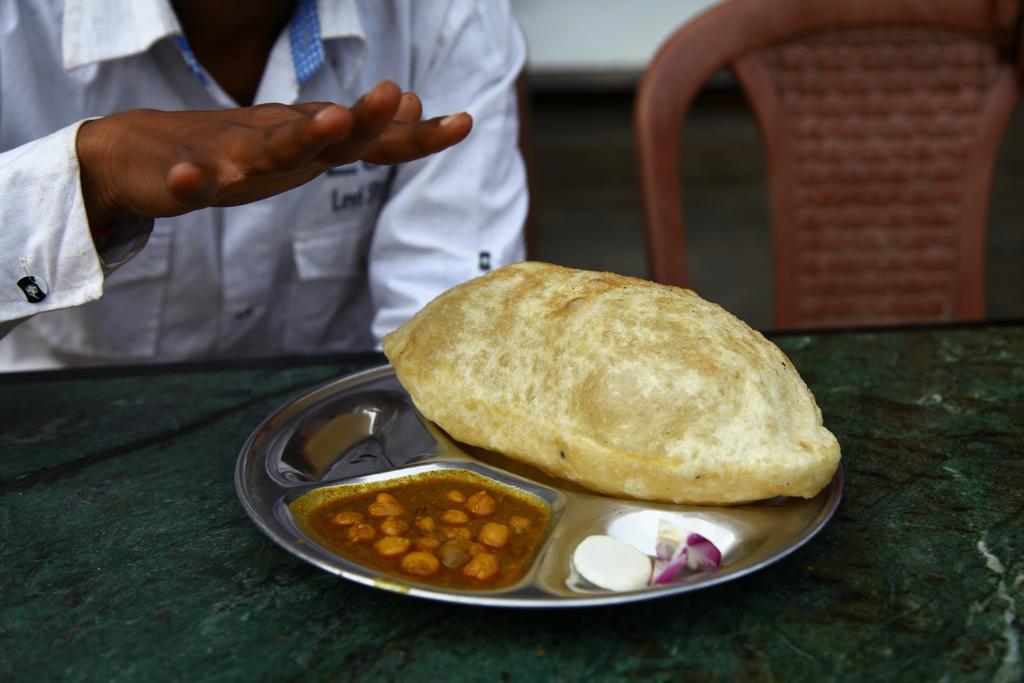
(624, 386)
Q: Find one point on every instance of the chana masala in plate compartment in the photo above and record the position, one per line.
(449, 528)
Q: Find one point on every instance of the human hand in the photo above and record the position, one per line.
(153, 163)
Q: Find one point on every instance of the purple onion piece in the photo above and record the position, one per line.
(665, 571)
(702, 553)
(673, 556)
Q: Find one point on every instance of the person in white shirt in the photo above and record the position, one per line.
(314, 242)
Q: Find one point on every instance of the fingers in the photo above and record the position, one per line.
(237, 156)
(375, 110)
(372, 114)
(457, 125)
(410, 109)
(408, 141)
(189, 185)
(317, 126)
(331, 123)
(298, 141)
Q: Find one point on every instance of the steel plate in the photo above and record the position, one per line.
(366, 429)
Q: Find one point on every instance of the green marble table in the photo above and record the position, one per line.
(126, 555)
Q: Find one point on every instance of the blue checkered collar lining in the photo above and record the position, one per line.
(304, 38)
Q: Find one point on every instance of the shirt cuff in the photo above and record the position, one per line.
(48, 259)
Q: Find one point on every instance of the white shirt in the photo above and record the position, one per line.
(330, 266)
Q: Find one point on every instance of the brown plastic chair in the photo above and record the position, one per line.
(880, 121)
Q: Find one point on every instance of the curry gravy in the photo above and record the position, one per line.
(446, 528)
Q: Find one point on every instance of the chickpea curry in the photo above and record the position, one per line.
(447, 528)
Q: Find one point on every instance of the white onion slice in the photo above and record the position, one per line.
(612, 564)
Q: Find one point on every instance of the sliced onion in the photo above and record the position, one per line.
(674, 555)
(702, 553)
(670, 538)
(612, 564)
(666, 570)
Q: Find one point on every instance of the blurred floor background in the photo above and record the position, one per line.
(586, 203)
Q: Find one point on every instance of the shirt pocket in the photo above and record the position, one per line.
(328, 300)
(125, 323)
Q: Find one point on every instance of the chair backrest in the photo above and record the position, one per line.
(880, 121)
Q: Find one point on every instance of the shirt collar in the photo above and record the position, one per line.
(100, 31)
(339, 20)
